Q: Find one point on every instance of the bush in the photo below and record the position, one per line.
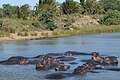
(1, 24)
(33, 34)
(47, 20)
(9, 29)
(23, 34)
(111, 18)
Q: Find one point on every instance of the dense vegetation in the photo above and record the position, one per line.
(50, 15)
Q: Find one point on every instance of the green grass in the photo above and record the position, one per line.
(87, 30)
(25, 28)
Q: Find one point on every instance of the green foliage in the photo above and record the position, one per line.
(90, 6)
(1, 24)
(45, 5)
(36, 24)
(33, 34)
(22, 34)
(110, 4)
(1, 13)
(7, 11)
(5, 28)
(47, 20)
(49, 13)
(111, 18)
(24, 11)
(9, 29)
(70, 7)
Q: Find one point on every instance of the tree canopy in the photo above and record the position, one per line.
(44, 9)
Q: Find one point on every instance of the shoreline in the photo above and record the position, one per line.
(64, 33)
(20, 38)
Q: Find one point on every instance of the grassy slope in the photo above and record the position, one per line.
(21, 29)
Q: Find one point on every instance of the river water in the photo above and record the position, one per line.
(107, 44)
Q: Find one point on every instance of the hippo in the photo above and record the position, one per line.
(67, 59)
(58, 75)
(42, 56)
(47, 64)
(62, 67)
(15, 60)
(80, 70)
(111, 60)
(89, 66)
(53, 54)
(71, 53)
(73, 63)
(96, 57)
(5, 62)
(34, 61)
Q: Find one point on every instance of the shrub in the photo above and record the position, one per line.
(111, 18)
(33, 34)
(9, 29)
(23, 34)
(1, 24)
(47, 19)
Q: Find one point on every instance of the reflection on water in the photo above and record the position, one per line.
(106, 44)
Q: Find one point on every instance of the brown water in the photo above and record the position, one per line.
(105, 44)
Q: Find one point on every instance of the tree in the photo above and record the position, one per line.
(90, 6)
(45, 5)
(111, 18)
(24, 11)
(1, 24)
(70, 6)
(82, 2)
(7, 10)
(15, 11)
(47, 20)
(110, 4)
(10, 11)
(1, 12)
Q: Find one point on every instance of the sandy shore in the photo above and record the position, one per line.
(14, 37)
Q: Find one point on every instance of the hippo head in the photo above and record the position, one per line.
(95, 54)
(80, 70)
(90, 66)
(62, 68)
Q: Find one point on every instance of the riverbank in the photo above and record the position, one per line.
(64, 32)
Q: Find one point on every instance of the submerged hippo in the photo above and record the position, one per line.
(62, 67)
(89, 66)
(15, 60)
(111, 60)
(58, 75)
(53, 54)
(96, 57)
(73, 63)
(80, 70)
(48, 63)
(71, 53)
(66, 58)
(42, 56)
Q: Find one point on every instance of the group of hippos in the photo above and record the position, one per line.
(56, 61)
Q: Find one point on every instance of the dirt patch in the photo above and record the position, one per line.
(86, 20)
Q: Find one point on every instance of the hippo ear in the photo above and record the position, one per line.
(56, 69)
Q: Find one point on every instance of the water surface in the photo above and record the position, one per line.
(105, 44)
